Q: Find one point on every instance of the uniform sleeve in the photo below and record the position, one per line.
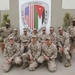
(22, 48)
(54, 54)
(29, 39)
(54, 38)
(42, 50)
(39, 38)
(5, 52)
(58, 42)
(18, 39)
(17, 51)
(67, 41)
(21, 38)
(38, 52)
(29, 50)
(6, 40)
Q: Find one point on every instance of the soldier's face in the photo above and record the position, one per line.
(33, 39)
(11, 41)
(48, 42)
(44, 31)
(34, 31)
(7, 26)
(60, 32)
(25, 32)
(15, 32)
(51, 30)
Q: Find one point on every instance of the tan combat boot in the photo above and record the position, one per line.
(25, 65)
(68, 64)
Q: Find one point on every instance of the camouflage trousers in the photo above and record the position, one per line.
(7, 65)
(24, 48)
(51, 63)
(26, 59)
(65, 52)
(72, 42)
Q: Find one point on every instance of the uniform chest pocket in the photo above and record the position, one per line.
(34, 48)
(11, 50)
(49, 52)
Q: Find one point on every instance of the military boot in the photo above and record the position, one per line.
(60, 57)
(68, 64)
(25, 65)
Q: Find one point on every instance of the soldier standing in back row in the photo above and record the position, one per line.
(64, 46)
(11, 54)
(35, 33)
(6, 30)
(16, 36)
(43, 35)
(34, 51)
(49, 53)
(53, 35)
(25, 40)
(71, 31)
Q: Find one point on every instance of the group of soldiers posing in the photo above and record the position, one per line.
(35, 50)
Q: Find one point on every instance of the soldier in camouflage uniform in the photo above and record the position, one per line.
(11, 54)
(53, 35)
(25, 39)
(34, 50)
(49, 53)
(35, 33)
(2, 45)
(16, 36)
(43, 36)
(5, 30)
(64, 45)
(71, 31)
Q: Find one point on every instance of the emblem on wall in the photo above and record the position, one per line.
(35, 14)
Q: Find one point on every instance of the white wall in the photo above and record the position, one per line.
(68, 4)
(4, 4)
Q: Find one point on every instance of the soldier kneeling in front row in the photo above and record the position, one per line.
(49, 53)
(64, 46)
(12, 54)
(30, 58)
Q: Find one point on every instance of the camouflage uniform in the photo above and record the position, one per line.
(51, 52)
(64, 42)
(71, 31)
(53, 36)
(16, 38)
(11, 50)
(42, 36)
(5, 31)
(34, 50)
(34, 33)
(25, 39)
